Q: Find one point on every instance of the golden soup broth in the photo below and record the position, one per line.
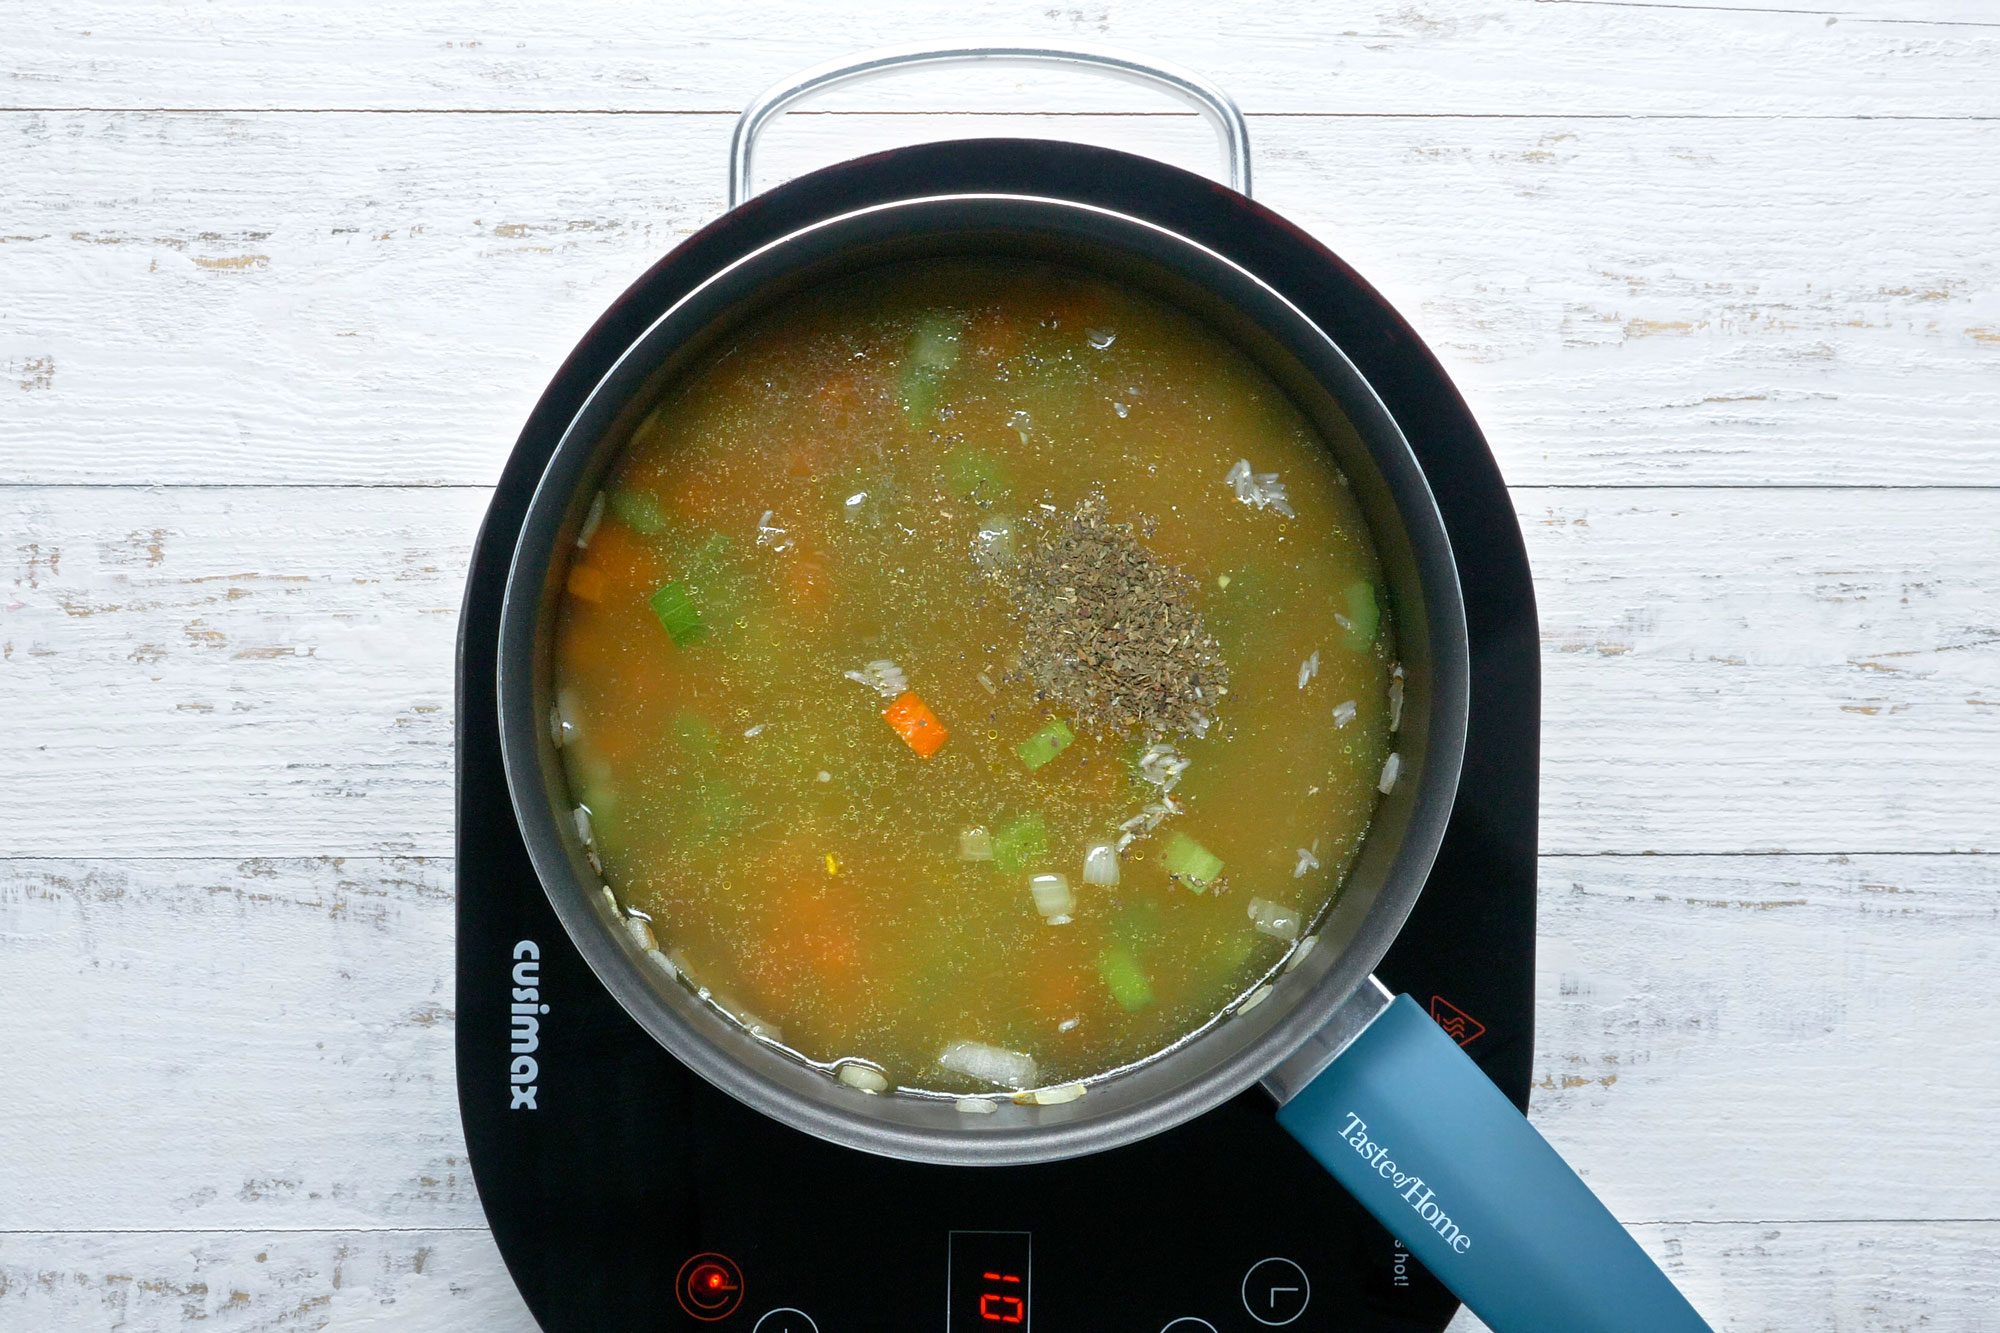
(815, 493)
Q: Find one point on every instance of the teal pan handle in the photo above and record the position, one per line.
(1414, 1130)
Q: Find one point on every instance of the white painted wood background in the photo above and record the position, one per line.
(279, 281)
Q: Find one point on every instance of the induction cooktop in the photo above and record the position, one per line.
(625, 1193)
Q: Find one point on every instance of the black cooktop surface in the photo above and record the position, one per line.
(625, 1193)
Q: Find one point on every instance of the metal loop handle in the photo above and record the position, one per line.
(1208, 98)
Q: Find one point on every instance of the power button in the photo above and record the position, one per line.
(709, 1286)
(786, 1320)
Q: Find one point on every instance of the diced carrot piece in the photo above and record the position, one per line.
(916, 724)
(586, 582)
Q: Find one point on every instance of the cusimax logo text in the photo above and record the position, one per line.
(1410, 1187)
(527, 1026)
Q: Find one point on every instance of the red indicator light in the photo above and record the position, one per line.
(709, 1287)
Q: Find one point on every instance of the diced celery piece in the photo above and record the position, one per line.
(1120, 971)
(1021, 843)
(1045, 744)
(1191, 863)
(678, 615)
(637, 510)
(1363, 615)
(933, 351)
(697, 735)
(973, 474)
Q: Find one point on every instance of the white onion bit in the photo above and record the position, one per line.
(1274, 919)
(1100, 864)
(866, 1078)
(642, 934)
(664, 963)
(1309, 668)
(1069, 1092)
(1299, 955)
(974, 1106)
(1307, 861)
(882, 676)
(1253, 999)
(590, 521)
(582, 816)
(1259, 490)
(989, 1064)
(750, 733)
(1343, 712)
(1391, 767)
(1396, 697)
(975, 844)
(1053, 898)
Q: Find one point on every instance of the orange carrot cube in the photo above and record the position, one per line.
(916, 724)
(586, 582)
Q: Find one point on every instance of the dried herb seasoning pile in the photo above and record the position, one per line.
(1113, 634)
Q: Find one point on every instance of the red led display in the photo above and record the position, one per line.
(991, 1282)
(1001, 1307)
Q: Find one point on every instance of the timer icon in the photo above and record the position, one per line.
(709, 1286)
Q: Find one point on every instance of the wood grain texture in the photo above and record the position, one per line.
(1747, 1277)
(338, 1102)
(1428, 58)
(1689, 245)
(269, 671)
(367, 299)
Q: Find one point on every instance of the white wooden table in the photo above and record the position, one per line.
(278, 283)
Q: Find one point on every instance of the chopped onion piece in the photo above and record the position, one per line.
(989, 1064)
(1274, 919)
(582, 816)
(882, 676)
(1069, 1092)
(1053, 898)
(590, 521)
(1396, 697)
(1121, 410)
(1100, 338)
(1307, 861)
(642, 934)
(1343, 712)
(1309, 668)
(1260, 490)
(750, 733)
(1253, 999)
(1021, 424)
(771, 535)
(1306, 946)
(1391, 766)
(993, 543)
(562, 718)
(664, 963)
(610, 898)
(1162, 765)
(987, 682)
(1100, 864)
(1069, 1024)
(974, 1106)
(975, 844)
(866, 1078)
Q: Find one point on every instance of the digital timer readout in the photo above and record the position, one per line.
(990, 1282)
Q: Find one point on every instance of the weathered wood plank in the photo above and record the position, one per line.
(268, 672)
(1457, 56)
(291, 1064)
(1787, 1277)
(258, 1282)
(371, 299)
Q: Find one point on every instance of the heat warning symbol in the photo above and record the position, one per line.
(1462, 1027)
